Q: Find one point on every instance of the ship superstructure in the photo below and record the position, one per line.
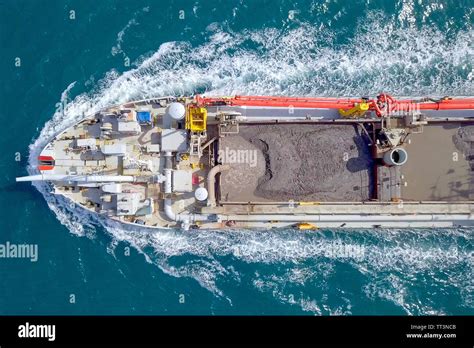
(262, 162)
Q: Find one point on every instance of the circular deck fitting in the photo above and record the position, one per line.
(176, 111)
(201, 194)
(395, 157)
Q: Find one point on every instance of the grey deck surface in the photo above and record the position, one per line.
(389, 183)
(438, 166)
(302, 162)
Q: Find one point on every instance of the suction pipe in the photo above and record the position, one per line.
(211, 182)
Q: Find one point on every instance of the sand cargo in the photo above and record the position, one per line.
(260, 162)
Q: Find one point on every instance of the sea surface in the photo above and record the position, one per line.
(62, 59)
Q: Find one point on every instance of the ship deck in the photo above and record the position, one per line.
(278, 171)
(334, 163)
(441, 164)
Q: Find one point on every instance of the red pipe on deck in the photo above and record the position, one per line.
(324, 103)
(383, 103)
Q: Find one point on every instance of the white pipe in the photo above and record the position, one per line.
(348, 218)
(169, 209)
(77, 178)
(167, 182)
(186, 218)
(211, 181)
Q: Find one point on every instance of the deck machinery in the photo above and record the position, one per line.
(260, 162)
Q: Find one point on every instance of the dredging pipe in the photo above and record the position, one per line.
(78, 178)
(211, 182)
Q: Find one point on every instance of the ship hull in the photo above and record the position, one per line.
(270, 162)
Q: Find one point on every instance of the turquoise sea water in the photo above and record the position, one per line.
(334, 47)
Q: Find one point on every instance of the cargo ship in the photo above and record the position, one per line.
(207, 162)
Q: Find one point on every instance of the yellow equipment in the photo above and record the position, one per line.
(197, 165)
(306, 226)
(358, 110)
(196, 119)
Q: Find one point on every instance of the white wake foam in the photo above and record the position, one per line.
(301, 61)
